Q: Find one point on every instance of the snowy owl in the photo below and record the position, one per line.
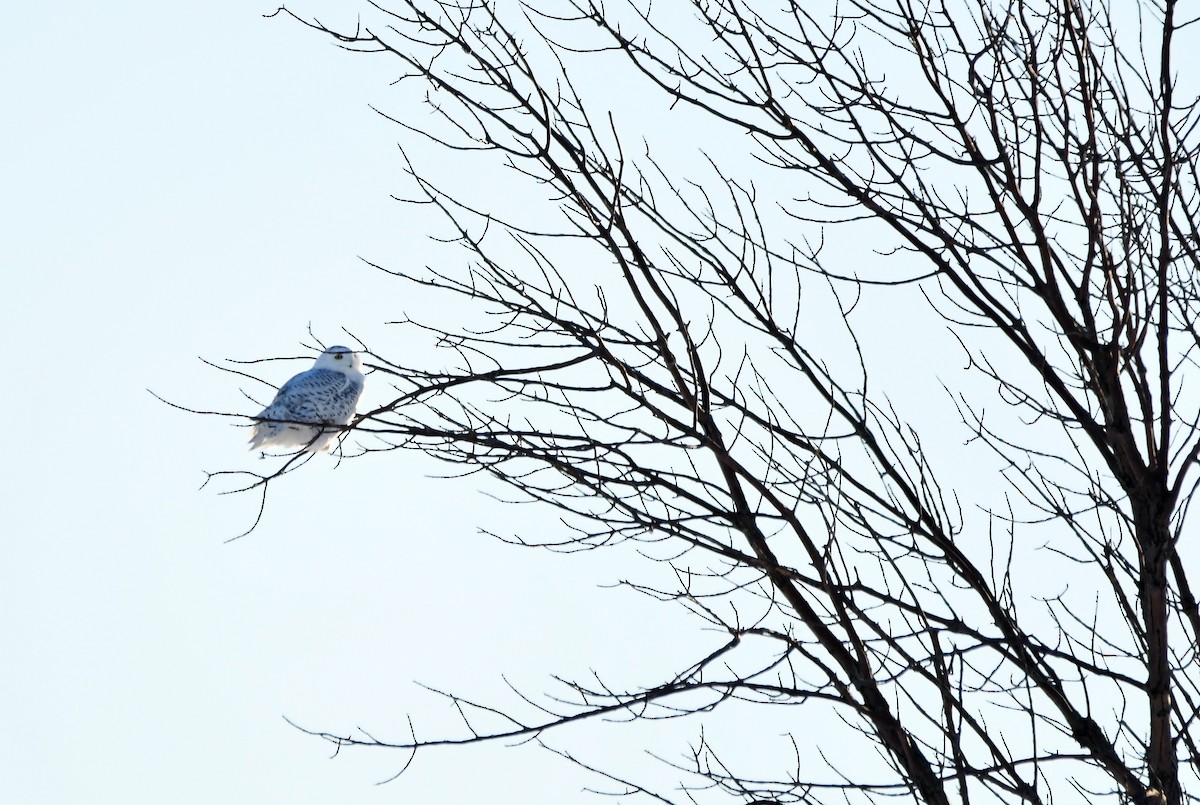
(324, 395)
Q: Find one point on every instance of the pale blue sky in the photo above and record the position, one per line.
(189, 179)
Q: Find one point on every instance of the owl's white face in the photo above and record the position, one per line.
(341, 359)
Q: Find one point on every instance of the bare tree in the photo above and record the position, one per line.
(676, 361)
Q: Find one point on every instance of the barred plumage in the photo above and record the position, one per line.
(326, 394)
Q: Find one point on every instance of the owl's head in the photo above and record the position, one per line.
(341, 359)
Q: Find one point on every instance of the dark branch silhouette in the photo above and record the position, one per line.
(677, 361)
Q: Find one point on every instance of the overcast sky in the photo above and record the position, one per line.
(186, 180)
